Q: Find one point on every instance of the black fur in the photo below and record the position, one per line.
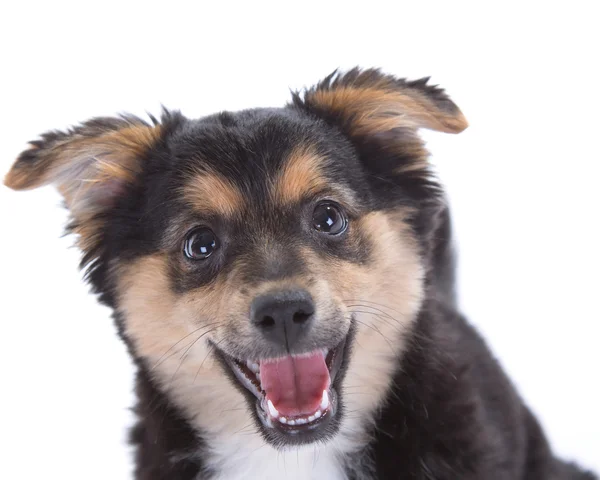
(451, 412)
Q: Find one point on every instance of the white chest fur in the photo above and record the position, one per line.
(266, 463)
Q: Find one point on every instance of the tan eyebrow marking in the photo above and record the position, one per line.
(211, 192)
(301, 175)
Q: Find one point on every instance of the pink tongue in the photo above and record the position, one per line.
(295, 384)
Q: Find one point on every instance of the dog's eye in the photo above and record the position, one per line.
(200, 244)
(329, 218)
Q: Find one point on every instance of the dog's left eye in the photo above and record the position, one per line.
(329, 218)
(200, 244)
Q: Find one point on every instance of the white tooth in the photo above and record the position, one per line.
(272, 410)
(301, 421)
(252, 366)
(246, 381)
(324, 400)
(282, 419)
(312, 418)
(291, 422)
(317, 414)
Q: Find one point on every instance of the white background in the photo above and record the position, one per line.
(522, 181)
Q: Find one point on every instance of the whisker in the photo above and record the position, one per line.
(398, 326)
(383, 305)
(232, 409)
(210, 350)
(418, 340)
(248, 425)
(256, 449)
(375, 329)
(374, 308)
(162, 358)
(183, 357)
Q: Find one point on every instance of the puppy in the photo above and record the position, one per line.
(284, 281)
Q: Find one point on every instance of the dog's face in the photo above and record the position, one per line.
(274, 255)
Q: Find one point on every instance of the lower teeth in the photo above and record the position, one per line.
(300, 420)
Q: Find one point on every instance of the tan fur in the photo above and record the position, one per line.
(80, 166)
(211, 193)
(300, 176)
(166, 328)
(378, 108)
(389, 293)
(85, 159)
(88, 234)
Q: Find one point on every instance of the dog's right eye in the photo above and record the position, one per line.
(200, 244)
(329, 218)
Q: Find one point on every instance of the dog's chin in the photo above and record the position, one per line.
(317, 419)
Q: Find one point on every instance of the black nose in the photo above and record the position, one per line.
(283, 317)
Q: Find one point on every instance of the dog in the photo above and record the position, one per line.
(284, 281)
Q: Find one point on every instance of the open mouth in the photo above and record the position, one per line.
(295, 394)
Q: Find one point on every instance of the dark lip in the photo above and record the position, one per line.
(277, 432)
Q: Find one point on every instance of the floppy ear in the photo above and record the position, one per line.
(368, 102)
(91, 165)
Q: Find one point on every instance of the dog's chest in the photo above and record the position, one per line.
(266, 463)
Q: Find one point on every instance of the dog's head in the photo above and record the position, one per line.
(279, 255)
